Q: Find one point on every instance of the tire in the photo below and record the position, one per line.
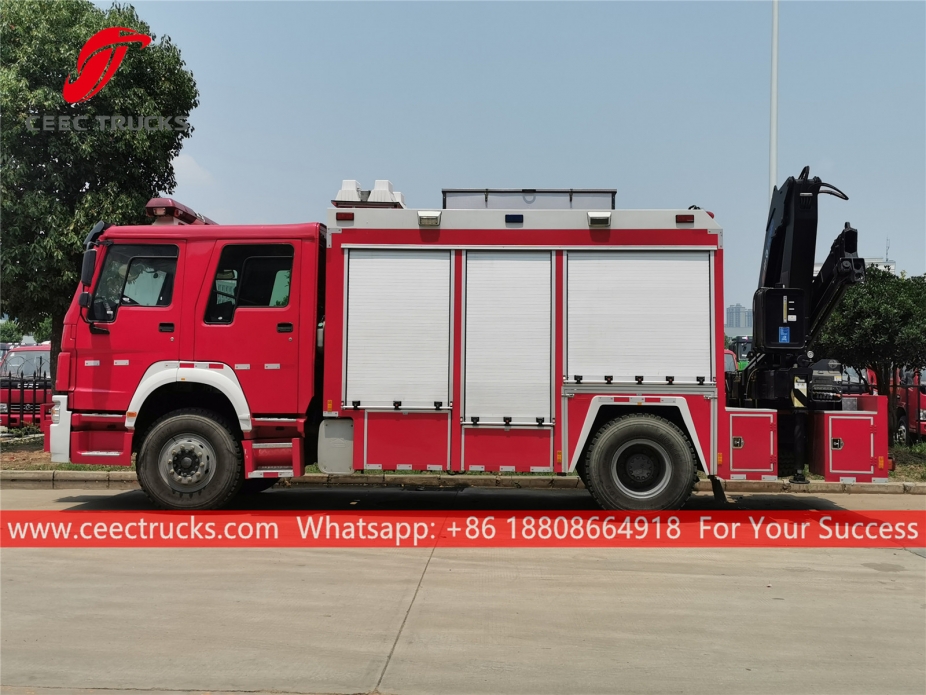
(640, 463)
(901, 435)
(255, 486)
(580, 471)
(190, 459)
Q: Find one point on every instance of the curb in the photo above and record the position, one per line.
(126, 480)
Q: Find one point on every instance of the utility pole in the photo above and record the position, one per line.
(773, 135)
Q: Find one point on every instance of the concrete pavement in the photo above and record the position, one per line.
(410, 622)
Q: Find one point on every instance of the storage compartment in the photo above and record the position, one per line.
(753, 450)
(512, 450)
(639, 314)
(406, 441)
(508, 368)
(398, 328)
(851, 447)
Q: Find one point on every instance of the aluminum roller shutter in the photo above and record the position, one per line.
(398, 328)
(639, 313)
(508, 319)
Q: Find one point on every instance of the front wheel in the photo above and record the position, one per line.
(190, 459)
(901, 435)
(640, 463)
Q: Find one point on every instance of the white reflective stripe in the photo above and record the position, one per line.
(271, 366)
(120, 363)
(163, 373)
(100, 453)
(91, 363)
(271, 473)
(102, 415)
(273, 445)
(242, 366)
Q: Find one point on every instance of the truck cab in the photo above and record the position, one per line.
(911, 406)
(184, 316)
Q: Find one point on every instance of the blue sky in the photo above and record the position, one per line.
(667, 102)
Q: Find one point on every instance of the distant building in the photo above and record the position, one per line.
(738, 316)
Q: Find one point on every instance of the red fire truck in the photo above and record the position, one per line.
(510, 331)
(911, 406)
(25, 384)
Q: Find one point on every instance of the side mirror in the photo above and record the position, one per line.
(84, 300)
(87, 268)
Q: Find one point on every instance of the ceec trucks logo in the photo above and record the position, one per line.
(98, 61)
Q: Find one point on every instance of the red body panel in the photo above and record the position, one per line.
(753, 449)
(851, 447)
(496, 449)
(396, 440)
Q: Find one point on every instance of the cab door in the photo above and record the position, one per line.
(134, 320)
(247, 317)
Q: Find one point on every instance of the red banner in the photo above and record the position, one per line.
(457, 529)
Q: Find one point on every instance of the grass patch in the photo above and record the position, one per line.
(909, 463)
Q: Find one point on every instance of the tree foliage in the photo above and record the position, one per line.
(56, 185)
(879, 325)
(10, 332)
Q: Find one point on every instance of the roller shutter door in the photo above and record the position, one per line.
(508, 320)
(398, 328)
(639, 313)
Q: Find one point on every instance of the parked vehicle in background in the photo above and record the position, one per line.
(826, 386)
(911, 406)
(855, 383)
(741, 346)
(25, 384)
(729, 361)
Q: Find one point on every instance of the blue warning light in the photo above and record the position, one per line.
(784, 334)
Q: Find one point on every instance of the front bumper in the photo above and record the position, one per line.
(60, 430)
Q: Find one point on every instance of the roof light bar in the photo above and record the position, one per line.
(169, 211)
(599, 219)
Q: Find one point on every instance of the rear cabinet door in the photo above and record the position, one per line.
(247, 318)
(639, 313)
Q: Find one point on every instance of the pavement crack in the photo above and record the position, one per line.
(375, 690)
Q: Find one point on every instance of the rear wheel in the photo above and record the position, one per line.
(641, 463)
(190, 459)
(901, 435)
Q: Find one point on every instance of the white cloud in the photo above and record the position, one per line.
(190, 173)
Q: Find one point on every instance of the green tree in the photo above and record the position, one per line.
(10, 332)
(56, 185)
(879, 325)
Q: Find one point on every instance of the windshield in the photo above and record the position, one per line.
(26, 363)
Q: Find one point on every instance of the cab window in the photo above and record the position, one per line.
(134, 275)
(250, 276)
(729, 362)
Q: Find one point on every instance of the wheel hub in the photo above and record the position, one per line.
(640, 467)
(187, 463)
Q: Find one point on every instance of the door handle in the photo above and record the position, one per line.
(284, 328)
(165, 328)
